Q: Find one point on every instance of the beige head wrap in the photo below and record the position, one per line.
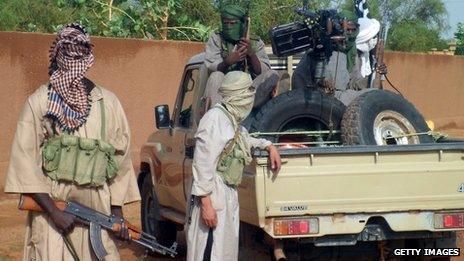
(238, 97)
(237, 94)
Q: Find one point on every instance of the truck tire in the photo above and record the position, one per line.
(381, 117)
(164, 231)
(300, 110)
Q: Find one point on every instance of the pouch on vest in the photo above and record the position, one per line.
(105, 162)
(85, 161)
(51, 156)
(231, 166)
(67, 157)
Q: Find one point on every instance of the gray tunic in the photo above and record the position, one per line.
(336, 72)
(216, 51)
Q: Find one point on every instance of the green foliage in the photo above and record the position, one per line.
(153, 19)
(459, 36)
(414, 36)
(32, 16)
(415, 23)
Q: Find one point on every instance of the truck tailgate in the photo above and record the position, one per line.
(364, 179)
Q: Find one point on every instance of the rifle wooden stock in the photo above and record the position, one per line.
(247, 31)
(380, 50)
(247, 37)
(379, 53)
(28, 203)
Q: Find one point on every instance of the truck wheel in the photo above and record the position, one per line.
(381, 117)
(164, 231)
(300, 110)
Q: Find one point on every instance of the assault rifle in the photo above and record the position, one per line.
(96, 221)
(379, 51)
(246, 31)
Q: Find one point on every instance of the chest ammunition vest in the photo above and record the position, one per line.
(232, 159)
(84, 161)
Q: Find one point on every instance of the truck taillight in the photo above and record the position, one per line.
(449, 220)
(304, 226)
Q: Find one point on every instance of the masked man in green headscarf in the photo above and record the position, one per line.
(347, 70)
(222, 149)
(228, 50)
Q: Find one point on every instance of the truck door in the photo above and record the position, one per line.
(182, 126)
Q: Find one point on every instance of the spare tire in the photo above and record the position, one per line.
(300, 110)
(381, 117)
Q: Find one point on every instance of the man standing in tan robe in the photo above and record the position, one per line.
(69, 103)
(215, 209)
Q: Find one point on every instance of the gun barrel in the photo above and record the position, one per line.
(155, 247)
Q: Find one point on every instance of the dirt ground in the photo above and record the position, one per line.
(12, 229)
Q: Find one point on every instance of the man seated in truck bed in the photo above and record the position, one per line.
(228, 51)
(349, 69)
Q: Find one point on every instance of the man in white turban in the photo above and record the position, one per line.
(222, 149)
(347, 72)
(349, 84)
(366, 41)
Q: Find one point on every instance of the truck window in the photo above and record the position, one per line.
(186, 100)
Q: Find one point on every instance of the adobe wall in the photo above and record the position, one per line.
(433, 83)
(146, 73)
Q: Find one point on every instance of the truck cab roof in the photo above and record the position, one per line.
(197, 58)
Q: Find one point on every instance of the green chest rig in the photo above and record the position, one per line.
(232, 158)
(83, 161)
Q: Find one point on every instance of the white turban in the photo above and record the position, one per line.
(237, 94)
(366, 40)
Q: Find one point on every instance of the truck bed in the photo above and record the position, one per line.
(362, 179)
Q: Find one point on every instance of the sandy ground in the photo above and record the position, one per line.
(12, 236)
(12, 229)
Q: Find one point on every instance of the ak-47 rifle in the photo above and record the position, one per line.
(246, 31)
(380, 48)
(96, 221)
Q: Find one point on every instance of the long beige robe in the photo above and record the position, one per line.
(25, 175)
(214, 132)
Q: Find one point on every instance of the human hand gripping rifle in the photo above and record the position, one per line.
(96, 221)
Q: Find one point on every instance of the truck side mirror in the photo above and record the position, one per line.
(162, 116)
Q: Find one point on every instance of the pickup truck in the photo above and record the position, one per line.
(324, 196)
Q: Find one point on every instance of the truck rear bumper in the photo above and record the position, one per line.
(351, 228)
